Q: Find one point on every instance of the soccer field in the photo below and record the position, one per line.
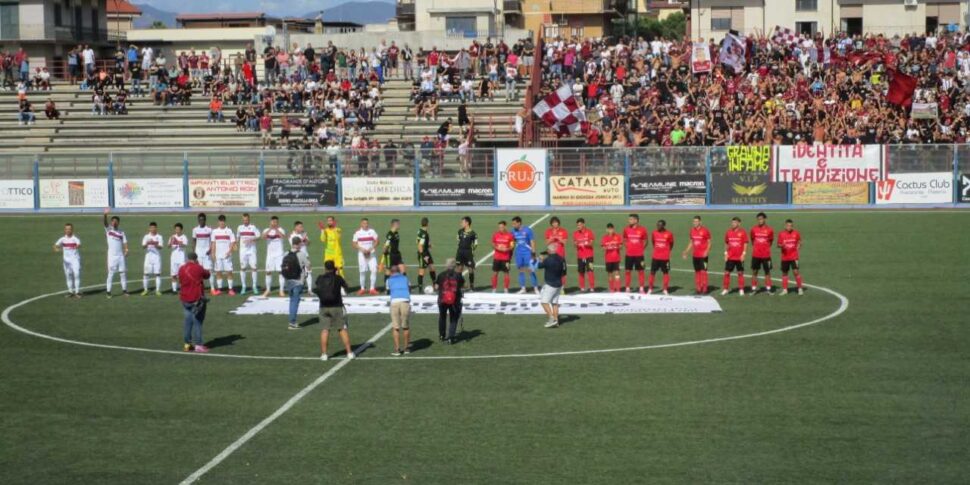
(862, 379)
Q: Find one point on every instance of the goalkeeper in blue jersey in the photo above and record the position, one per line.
(525, 254)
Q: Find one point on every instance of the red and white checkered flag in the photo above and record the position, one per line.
(561, 112)
(784, 36)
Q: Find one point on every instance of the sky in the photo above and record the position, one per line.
(272, 7)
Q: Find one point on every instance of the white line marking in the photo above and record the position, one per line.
(279, 412)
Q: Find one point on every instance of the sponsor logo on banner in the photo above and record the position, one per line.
(377, 192)
(700, 57)
(747, 180)
(147, 193)
(829, 163)
(521, 176)
(924, 111)
(299, 192)
(916, 188)
(830, 193)
(668, 190)
(224, 192)
(16, 194)
(964, 188)
(589, 190)
(69, 193)
(489, 304)
(456, 193)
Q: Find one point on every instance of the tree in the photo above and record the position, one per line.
(673, 27)
(158, 24)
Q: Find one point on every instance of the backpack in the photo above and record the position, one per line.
(290, 267)
(449, 291)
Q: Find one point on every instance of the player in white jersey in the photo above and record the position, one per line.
(202, 234)
(152, 242)
(117, 252)
(365, 240)
(299, 232)
(178, 242)
(274, 236)
(223, 244)
(69, 244)
(248, 236)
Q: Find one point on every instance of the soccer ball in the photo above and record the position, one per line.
(429, 290)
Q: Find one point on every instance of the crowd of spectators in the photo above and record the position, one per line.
(818, 90)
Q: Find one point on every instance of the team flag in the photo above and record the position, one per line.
(733, 50)
(561, 112)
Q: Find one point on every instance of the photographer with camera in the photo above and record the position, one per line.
(192, 296)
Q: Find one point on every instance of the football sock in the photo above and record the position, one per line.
(521, 279)
(309, 276)
(494, 280)
(212, 281)
(591, 280)
(507, 280)
(175, 286)
(70, 281)
(373, 279)
(697, 281)
(741, 280)
(704, 280)
(230, 283)
(650, 281)
(77, 283)
(283, 280)
(108, 284)
(420, 281)
(255, 279)
(218, 283)
(363, 280)
(627, 279)
(269, 282)
(144, 282)
(582, 281)
(471, 279)
(434, 276)
(768, 281)
(666, 281)
(158, 283)
(242, 276)
(798, 280)
(641, 276)
(535, 280)
(784, 282)
(727, 281)
(124, 281)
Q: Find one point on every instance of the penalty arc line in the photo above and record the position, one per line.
(215, 461)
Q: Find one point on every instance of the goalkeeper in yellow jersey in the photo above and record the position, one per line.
(330, 237)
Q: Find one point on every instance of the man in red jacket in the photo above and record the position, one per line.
(192, 295)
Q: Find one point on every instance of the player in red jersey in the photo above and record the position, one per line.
(762, 236)
(790, 242)
(502, 242)
(700, 244)
(663, 242)
(735, 247)
(635, 238)
(584, 239)
(611, 244)
(558, 235)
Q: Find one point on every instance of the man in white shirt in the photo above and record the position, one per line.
(178, 242)
(152, 242)
(299, 232)
(275, 236)
(88, 56)
(248, 236)
(365, 240)
(69, 245)
(202, 234)
(223, 244)
(117, 252)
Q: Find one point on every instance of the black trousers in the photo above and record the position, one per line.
(450, 314)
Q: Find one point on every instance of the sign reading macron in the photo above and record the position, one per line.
(224, 192)
(829, 163)
(521, 176)
(16, 194)
(73, 193)
(148, 193)
(377, 191)
(916, 188)
(586, 190)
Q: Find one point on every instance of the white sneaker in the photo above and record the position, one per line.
(552, 324)
(537, 290)
(784, 292)
(324, 357)
(741, 292)
(754, 289)
(666, 293)
(521, 291)
(505, 291)
(801, 291)
(725, 291)
(351, 356)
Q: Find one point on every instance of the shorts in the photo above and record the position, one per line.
(550, 295)
(175, 265)
(700, 264)
(247, 260)
(206, 261)
(117, 264)
(633, 262)
(584, 265)
(153, 265)
(425, 260)
(613, 267)
(660, 265)
(400, 315)
(273, 262)
(337, 258)
(734, 266)
(330, 315)
(393, 259)
(466, 259)
(223, 264)
(758, 264)
(523, 260)
(500, 266)
(72, 266)
(392, 63)
(787, 266)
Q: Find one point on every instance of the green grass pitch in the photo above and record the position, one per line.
(877, 394)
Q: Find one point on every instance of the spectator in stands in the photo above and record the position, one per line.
(485, 89)
(215, 110)
(73, 66)
(42, 79)
(467, 90)
(463, 120)
(25, 113)
(266, 129)
(22, 61)
(87, 55)
(510, 74)
(119, 105)
(98, 106)
(443, 130)
(51, 111)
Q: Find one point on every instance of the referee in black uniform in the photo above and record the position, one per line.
(465, 257)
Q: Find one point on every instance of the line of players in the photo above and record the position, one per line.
(216, 245)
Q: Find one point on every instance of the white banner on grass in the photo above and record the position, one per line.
(73, 193)
(829, 163)
(521, 174)
(16, 194)
(147, 193)
(916, 188)
(499, 304)
(377, 191)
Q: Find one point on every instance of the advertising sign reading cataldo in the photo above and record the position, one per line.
(521, 177)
